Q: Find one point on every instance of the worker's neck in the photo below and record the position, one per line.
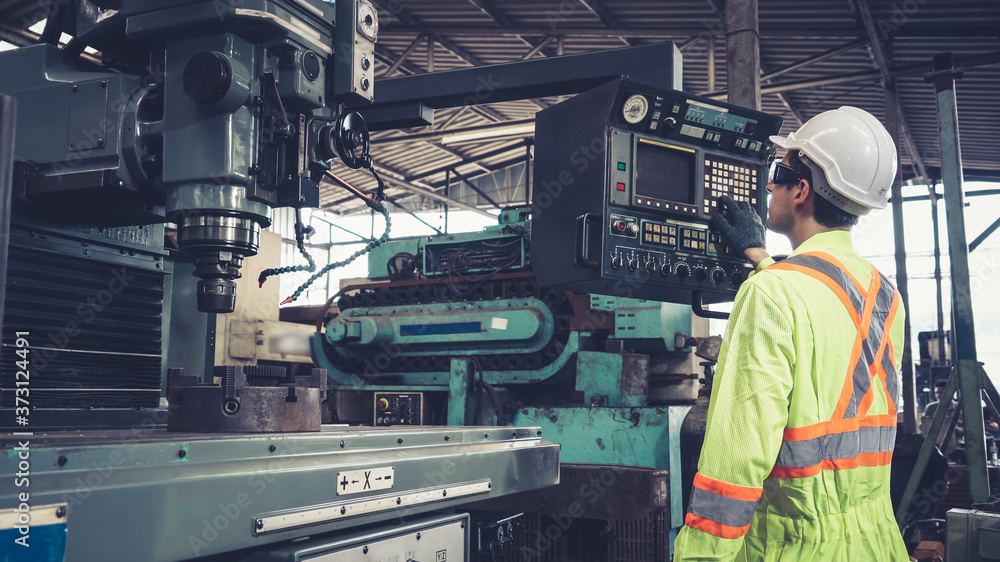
(806, 229)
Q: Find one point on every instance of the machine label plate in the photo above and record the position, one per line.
(346, 509)
(357, 481)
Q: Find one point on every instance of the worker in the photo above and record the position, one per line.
(802, 415)
(953, 449)
(932, 407)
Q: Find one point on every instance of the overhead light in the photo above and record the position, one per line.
(511, 131)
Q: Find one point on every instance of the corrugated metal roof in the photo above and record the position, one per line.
(495, 32)
(468, 33)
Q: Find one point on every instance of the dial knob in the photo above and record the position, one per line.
(616, 262)
(737, 278)
(683, 271)
(664, 270)
(700, 273)
(718, 276)
(633, 263)
(669, 123)
(651, 265)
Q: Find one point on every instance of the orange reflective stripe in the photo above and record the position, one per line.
(875, 368)
(883, 363)
(834, 261)
(837, 289)
(837, 426)
(726, 489)
(715, 528)
(864, 459)
(866, 319)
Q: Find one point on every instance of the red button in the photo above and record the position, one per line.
(620, 186)
(751, 127)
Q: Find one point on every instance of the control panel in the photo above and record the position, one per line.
(398, 408)
(641, 210)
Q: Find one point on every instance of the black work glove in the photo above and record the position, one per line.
(739, 225)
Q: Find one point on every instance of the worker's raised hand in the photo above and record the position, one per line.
(739, 224)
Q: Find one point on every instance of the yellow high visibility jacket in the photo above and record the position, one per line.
(802, 418)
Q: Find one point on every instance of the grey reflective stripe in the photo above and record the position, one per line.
(833, 272)
(871, 345)
(862, 380)
(847, 445)
(891, 382)
(721, 509)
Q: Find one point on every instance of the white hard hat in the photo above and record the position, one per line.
(855, 153)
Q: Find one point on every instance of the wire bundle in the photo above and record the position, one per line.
(300, 239)
(371, 245)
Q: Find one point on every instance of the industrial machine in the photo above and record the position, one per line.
(567, 315)
(203, 115)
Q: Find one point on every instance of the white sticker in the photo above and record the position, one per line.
(357, 481)
(498, 324)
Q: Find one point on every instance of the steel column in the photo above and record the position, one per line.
(966, 365)
(743, 53)
(909, 393)
(937, 270)
(8, 122)
(711, 64)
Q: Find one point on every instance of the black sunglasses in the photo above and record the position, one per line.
(781, 174)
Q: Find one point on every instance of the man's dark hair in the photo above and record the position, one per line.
(940, 384)
(825, 212)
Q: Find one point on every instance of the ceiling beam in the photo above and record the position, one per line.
(493, 153)
(863, 11)
(402, 15)
(809, 61)
(395, 178)
(402, 57)
(597, 8)
(438, 135)
(501, 18)
(475, 188)
(695, 26)
(917, 69)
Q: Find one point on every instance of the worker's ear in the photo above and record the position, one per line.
(802, 193)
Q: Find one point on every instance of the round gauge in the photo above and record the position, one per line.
(367, 20)
(635, 108)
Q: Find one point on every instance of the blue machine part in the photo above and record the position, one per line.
(376, 366)
(510, 325)
(33, 533)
